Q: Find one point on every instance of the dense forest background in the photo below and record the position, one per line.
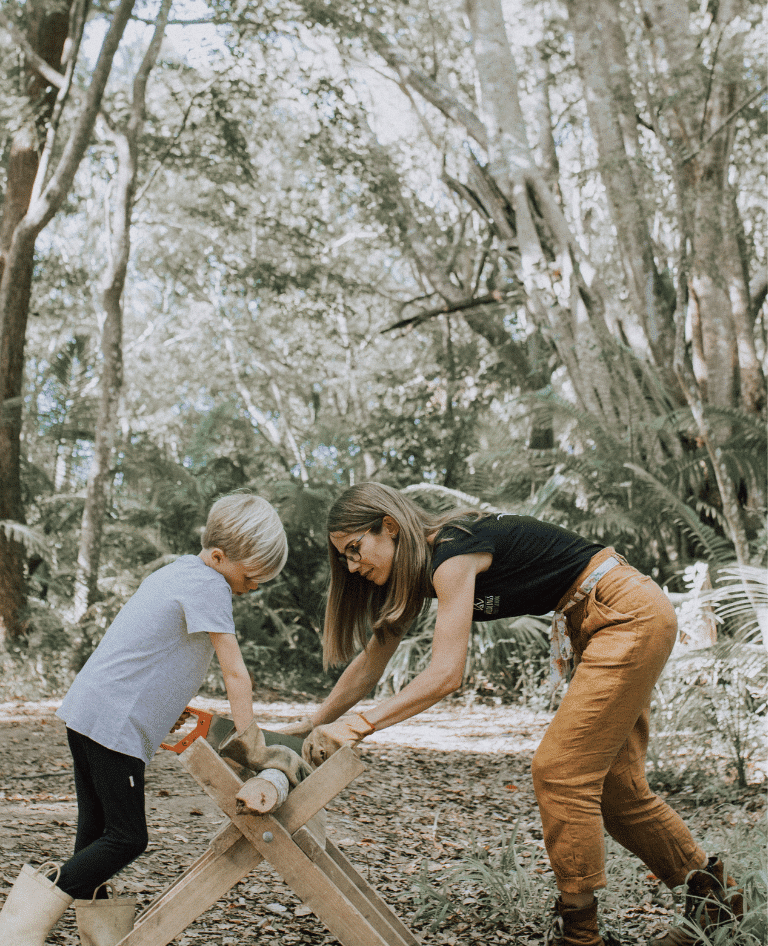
(497, 252)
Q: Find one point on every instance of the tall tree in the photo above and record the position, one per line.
(563, 296)
(127, 137)
(45, 33)
(36, 201)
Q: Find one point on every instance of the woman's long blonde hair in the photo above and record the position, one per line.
(355, 606)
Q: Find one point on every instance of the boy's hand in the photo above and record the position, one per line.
(181, 720)
(301, 728)
(323, 741)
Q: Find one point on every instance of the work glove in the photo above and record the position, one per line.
(323, 741)
(301, 728)
(250, 750)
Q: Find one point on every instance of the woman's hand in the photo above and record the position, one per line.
(301, 728)
(325, 740)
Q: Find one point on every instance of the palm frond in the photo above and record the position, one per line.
(32, 539)
(741, 593)
(454, 495)
(545, 495)
(716, 547)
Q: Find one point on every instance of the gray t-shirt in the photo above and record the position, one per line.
(152, 660)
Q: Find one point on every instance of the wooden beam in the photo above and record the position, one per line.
(206, 881)
(292, 841)
(365, 898)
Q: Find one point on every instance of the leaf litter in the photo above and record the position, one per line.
(438, 792)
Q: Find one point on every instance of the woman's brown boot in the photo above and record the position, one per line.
(574, 926)
(711, 900)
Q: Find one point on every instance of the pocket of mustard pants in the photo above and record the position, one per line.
(630, 603)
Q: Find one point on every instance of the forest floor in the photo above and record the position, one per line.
(454, 777)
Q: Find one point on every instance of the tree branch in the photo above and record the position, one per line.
(164, 156)
(726, 121)
(34, 60)
(430, 90)
(446, 309)
(57, 188)
(77, 18)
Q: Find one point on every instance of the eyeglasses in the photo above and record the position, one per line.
(351, 553)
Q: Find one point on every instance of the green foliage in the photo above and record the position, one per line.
(657, 511)
(717, 696)
(511, 885)
(487, 886)
(507, 661)
(709, 710)
(32, 539)
(744, 858)
(39, 665)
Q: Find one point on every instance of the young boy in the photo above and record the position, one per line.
(132, 691)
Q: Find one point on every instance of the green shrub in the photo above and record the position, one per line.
(709, 712)
(486, 887)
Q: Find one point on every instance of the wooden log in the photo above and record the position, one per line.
(263, 793)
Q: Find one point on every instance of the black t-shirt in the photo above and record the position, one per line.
(534, 563)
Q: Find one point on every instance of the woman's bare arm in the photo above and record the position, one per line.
(357, 681)
(454, 583)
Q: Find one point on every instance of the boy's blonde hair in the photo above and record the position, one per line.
(247, 529)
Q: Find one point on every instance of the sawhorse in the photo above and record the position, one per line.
(313, 867)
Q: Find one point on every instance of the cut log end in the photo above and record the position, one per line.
(263, 793)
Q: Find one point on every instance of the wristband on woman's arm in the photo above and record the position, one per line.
(367, 722)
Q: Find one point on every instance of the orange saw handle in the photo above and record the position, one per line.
(204, 721)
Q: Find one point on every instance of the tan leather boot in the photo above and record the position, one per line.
(573, 926)
(711, 900)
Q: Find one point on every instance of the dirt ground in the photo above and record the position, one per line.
(456, 775)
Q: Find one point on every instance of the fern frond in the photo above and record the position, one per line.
(457, 497)
(717, 548)
(33, 540)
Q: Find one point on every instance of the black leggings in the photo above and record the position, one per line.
(111, 824)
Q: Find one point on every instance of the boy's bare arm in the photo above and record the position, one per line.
(237, 680)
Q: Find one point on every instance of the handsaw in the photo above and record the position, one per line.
(215, 729)
(210, 727)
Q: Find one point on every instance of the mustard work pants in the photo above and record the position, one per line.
(589, 771)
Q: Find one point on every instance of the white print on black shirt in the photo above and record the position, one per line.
(488, 605)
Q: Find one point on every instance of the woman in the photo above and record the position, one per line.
(389, 557)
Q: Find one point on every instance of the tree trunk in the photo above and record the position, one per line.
(695, 105)
(604, 70)
(47, 33)
(110, 383)
(751, 381)
(562, 297)
(45, 200)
